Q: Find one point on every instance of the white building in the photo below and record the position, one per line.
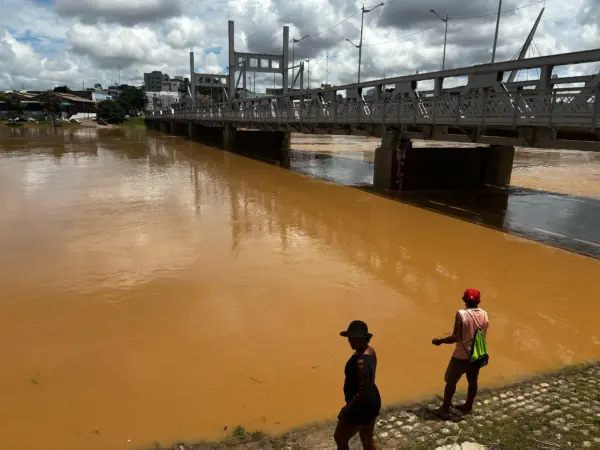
(162, 99)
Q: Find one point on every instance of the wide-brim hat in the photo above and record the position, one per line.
(357, 330)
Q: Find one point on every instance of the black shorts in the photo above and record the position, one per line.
(459, 367)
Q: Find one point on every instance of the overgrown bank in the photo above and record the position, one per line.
(557, 410)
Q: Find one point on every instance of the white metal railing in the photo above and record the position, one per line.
(485, 100)
(556, 107)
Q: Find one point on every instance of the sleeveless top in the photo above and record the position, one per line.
(472, 319)
(363, 401)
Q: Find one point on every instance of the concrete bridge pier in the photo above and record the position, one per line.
(229, 137)
(399, 166)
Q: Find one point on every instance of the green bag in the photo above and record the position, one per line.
(479, 352)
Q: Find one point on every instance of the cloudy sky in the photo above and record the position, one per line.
(44, 43)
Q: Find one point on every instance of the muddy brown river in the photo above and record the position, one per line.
(155, 289)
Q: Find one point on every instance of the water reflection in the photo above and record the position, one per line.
(126, 273)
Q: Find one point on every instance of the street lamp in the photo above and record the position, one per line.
(308, 70)
(295, 41)
(445, 35)
(360, 44)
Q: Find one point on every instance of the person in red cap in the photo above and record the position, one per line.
(467, 322)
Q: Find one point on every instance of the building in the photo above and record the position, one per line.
(153, 81)
(171, 85)
(162, 99)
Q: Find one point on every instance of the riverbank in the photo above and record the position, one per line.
(556, 410)
(136, 122)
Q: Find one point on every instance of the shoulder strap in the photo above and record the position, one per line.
(479, 327)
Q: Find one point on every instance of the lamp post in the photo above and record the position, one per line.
(308, 70)
(497, 28)
(445, 35)
(360, 44)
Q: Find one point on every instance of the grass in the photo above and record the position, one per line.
(135, 122)
(556, 410)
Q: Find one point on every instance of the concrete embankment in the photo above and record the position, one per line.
(557, 410)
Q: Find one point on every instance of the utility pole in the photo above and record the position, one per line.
(294, 41)
(497, 29)
(360, 44)
(445, 35)
(308, 70)
(119, 73)
(327, 68)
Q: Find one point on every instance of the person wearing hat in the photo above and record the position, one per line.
(466, 323)
(363, 401)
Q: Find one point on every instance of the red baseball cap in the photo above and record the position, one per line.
(472, 295)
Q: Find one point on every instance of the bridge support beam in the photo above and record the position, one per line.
(399, 166)
(229, 137)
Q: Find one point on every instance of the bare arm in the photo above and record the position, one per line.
(455, 336)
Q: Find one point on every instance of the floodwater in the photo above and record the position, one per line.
(154, 289)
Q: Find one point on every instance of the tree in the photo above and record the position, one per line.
(98, 86)
(62, 89)
(132, 99)
(12, 104)
(111, 111)
(51, 105)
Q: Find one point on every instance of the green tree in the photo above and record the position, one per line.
(111, 111)
(51, 105)
(132, 99)
(12, 105)
(62, 89)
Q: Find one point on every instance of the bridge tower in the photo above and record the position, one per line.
(255, 62)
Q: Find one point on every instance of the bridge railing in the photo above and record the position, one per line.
(578, 107)
(484, 100)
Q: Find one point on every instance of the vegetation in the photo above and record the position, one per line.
(12, 105)
(51, 105)
(111, 111)
(62, 89)
(132, 99)
(134, 122)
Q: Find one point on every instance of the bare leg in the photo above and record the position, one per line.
(467, 407)
(366, 436)
(343, 433)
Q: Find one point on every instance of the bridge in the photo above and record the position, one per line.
(547, 112)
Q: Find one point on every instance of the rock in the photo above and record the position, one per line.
(388, 427)
(471, 446)
(537, 433)
(398, 424)
(412, 419)
(384, 435)
(449, 447)
(392, 418)
(397, 435)
(586, 444)
(445, 431)
(406, 428)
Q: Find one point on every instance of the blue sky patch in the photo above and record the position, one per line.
(42, 45)
(215, 50)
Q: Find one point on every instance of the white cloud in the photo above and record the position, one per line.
(128, 12)
(84, 40)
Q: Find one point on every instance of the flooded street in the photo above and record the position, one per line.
(155, 289)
